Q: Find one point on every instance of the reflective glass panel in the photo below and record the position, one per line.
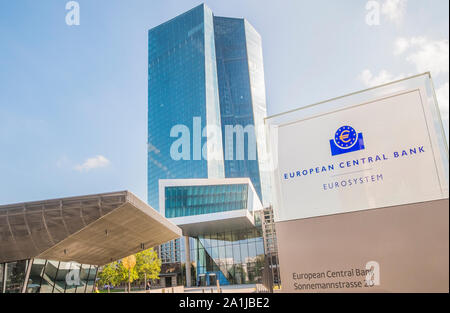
(15, 276)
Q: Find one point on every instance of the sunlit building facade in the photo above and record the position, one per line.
(205, 73)
(240, 72)
(183, 98)
(220, 219)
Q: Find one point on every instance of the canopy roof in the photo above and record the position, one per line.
(94, 229)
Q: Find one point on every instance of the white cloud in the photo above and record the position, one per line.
(426, 55)
(91, 163)
(401, 45)
(442, 94)
(394, 10)
(383, 77)
(417, 41)
(429, 55)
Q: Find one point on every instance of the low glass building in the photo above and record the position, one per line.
(223, 239)
(232, 257)
(47, 276)
(56, 246)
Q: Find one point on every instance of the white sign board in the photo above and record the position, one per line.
(370, 155)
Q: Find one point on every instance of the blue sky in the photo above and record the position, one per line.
(73, 99)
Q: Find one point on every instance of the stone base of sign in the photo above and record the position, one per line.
(407, 247)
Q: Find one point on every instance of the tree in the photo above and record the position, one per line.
(148, 265)
(142, 265)
(127, 270)
(109, 275)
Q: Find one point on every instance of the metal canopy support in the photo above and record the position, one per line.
(27, 275)
(5, 269)
(188, 261)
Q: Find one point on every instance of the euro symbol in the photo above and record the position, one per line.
(344, 137)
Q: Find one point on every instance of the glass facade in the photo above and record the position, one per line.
(13, 276)
(236, 106)
(61, 277)
(182, 88)
(230, 257)
(205, 70)
(47, 277)
(170, 252)
(233, 257)
(259, 106)
(196, 200)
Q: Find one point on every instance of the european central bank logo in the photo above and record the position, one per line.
(346, 139)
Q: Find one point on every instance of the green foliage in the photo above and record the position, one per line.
(123, 274)
(148, 264)
(109, 274)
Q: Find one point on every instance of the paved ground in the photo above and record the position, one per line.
(250, 288)
(225, 289)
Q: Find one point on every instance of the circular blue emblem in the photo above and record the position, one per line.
(345, 137)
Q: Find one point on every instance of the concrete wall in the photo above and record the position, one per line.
(409, 242)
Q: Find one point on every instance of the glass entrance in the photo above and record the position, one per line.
(201, 280)
(212, 279)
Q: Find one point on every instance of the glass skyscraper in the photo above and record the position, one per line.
(205, 71)
(182, 90)
(206, 110)
(242, 99)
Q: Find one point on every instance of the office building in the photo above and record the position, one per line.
(206, 72)
(182, 90)
(219, 219)
(206, 76)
